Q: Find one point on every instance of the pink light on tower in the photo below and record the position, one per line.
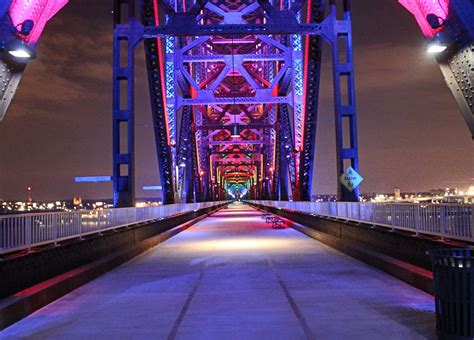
(421, 8)
(40, 11)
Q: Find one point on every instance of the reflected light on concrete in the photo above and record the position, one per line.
(240, 219)
(241, 244)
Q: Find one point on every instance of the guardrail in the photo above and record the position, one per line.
(454, 221)
(25, 231)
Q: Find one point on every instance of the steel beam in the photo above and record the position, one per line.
(124, 105)
(313, 48)
(155, 59)
(345, 108)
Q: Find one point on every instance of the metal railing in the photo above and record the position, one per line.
(454, 221)
(25, 231)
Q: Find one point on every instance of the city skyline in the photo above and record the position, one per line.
(59, 125)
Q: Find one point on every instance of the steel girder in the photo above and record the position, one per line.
(238, 87)
(11, 71)
(313, 46)
(455, 31)
(123, 103)
(188, 171)
(207, 81)
(344, 105)
(457, 65)
(13, 13)
(288, 172)
(154, 56)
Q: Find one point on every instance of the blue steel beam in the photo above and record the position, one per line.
(345, 109)
(123, 105)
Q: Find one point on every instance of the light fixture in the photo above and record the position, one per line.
(435, 48)
(182, 165)
(235, 131)
(439, 43)
(19, 51)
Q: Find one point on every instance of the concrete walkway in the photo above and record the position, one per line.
(231, 276)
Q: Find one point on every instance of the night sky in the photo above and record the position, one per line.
(411, 133)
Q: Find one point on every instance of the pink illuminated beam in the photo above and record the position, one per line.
(40, 11)
(421, 8)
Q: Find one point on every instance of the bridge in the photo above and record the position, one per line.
(236, 248)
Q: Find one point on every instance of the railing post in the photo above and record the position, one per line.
(81, 226)
(471, 212)
(372, 210)
(392, 214)
(416, 217)
(56, 229)
(442, 221)
(28, 226)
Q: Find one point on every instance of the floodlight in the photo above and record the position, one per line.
(19, 51)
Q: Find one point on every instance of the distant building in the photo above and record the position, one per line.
(397, 193)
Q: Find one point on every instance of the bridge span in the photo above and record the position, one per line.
(232, 276)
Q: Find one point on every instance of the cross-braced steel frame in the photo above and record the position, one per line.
(234, 95)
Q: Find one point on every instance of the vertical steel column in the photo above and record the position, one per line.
(312, 50)
(281, 188)
(197, 180)
(276, 172)
(123, 103)
(156, 79)
(345, 108)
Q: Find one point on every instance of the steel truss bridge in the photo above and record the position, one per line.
(234, 88)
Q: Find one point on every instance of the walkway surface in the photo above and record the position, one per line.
(231, 276)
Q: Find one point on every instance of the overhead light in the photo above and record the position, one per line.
(235, 131)
(19, 51)
(20, 54)
(182, 165)
(440, 43)
(435, 48)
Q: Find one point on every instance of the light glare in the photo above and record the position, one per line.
(20, 54)
(436, 48)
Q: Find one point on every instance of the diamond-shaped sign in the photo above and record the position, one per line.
(350, 179)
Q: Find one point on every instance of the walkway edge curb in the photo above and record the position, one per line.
(25, 302)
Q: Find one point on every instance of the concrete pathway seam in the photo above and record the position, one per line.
(299, 315)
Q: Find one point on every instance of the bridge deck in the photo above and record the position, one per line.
(232, 276)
